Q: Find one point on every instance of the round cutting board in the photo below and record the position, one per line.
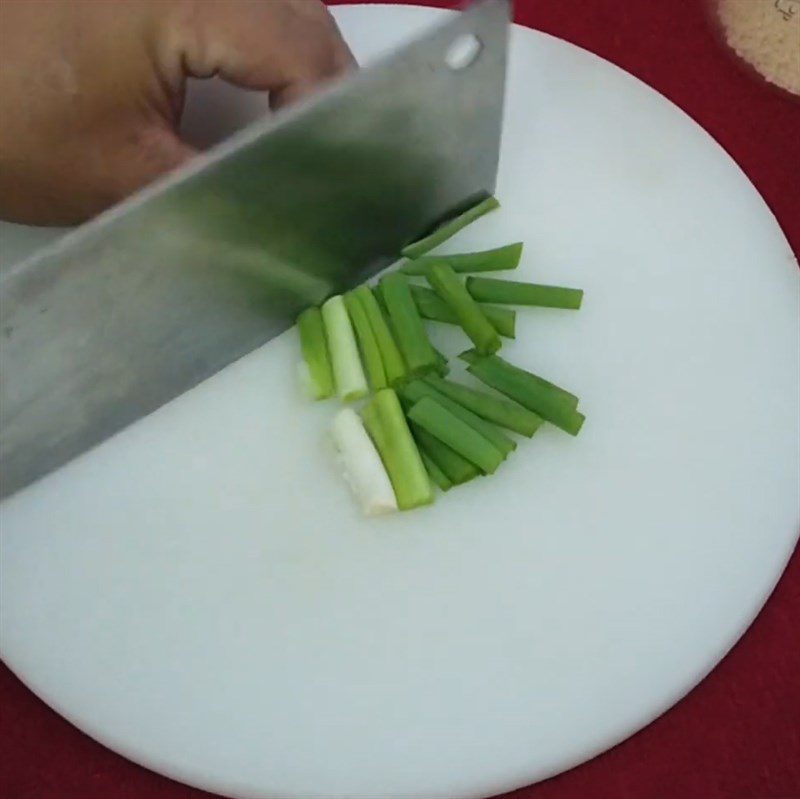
(200, 593)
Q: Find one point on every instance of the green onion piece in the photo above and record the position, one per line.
(511, 292)
(315, 353)
(456, 433)
(351, 383)
(407, 324)
(442, 367)
(496, 362)
(522, 387)
(457, 469)
(367, 344)
(414, 391)
(449, 286)
(449, 229)
(432, 306)
(387, 426)
(435, 473)
(496, 260)
(363, 469)
(494, 409)
(378, 295)
(393, 363)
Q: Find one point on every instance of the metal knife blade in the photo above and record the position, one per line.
(167, 288)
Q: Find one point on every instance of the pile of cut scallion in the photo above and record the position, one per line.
(416, 428)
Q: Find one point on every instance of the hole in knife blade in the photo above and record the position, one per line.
(463, 52)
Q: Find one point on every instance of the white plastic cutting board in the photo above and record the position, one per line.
(201, 595)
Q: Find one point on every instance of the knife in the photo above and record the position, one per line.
(165, 289)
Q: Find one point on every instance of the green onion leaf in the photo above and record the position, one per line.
(493, 409)
(450, 228)
(367, 344)
(432, 306)
(319, 373)
(393, 364)
(434, 472)
(407, 324)
(549, 401)
(456, 433)
(449, 286)
(387, 426)
(457, 469)
(351, 382)
(414, 391)
(496, 260)
(510, 292)
(495, 362)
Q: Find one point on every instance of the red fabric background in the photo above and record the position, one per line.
(737, 735)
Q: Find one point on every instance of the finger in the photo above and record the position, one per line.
(286, 47)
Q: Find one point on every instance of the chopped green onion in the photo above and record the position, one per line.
(367, 344)
(456, 433)
(442, 367)
(449, 229)
(417, 389)
(496, 260)
(318, 372)
(447, 284)
(511, 292)
(378, 295)
(457, 469)
(407, 324)
(362, 465)
(500, 411)
(529, 391)
(496, 362)
(432, 306)
(347, 370)
(392, 360)
(435, 473)
(387, 426)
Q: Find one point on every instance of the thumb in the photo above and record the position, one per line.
(285, 47)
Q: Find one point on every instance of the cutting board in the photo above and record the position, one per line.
(201, 594)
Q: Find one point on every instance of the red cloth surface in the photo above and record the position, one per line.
(737, 735)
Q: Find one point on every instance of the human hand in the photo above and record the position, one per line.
(92, 91)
